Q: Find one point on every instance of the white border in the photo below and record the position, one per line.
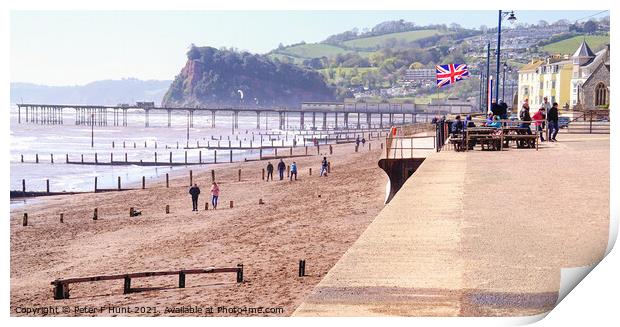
(592, 302)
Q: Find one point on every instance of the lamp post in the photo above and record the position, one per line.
(504, 82)
(511, 19)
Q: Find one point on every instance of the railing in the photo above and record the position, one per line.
(402, 147)
(402, 138)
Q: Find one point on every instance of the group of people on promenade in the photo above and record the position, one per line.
(547, 113)
(194, 191)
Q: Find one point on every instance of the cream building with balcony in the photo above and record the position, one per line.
(560, 78)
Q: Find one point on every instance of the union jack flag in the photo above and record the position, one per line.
(452, 73)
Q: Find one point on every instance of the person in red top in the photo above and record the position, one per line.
(539, 121)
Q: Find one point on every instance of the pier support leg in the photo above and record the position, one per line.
(301, 120)
(324, 120)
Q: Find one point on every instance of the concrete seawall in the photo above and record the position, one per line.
(477, 234)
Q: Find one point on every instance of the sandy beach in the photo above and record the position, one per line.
(314, 218)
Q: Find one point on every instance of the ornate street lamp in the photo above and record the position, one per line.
(511, 19)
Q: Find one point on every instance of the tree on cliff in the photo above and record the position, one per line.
(212, 77)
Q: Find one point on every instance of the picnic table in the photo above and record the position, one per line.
(486, 136)
(520, 136)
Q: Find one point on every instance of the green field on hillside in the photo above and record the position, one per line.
(569, 46)
(372, 42)
(313, 50)
(347, 71)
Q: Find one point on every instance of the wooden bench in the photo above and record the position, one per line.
(523, 141)
(458, 142)
(61, 286)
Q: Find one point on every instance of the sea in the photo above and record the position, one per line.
(29, 139)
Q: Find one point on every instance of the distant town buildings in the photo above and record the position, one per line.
(581, 81)
(420, 75)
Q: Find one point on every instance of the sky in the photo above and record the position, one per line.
(78, 47)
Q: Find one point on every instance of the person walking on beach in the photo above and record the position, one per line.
(553, 118)
(269, 171)
(323, 167)
(194, 191)
(215, 194)
(281, 168)
(293, 170)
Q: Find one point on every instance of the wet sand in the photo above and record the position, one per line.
(314, 218)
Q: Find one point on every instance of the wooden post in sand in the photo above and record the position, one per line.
(206, 205)
(191, 178)
(306, 150)
(369, 146)
(290, 151)
(381, 145)
(310, 171)
(231, 204)
(25, 220)
(263, 173)
(167, 181)
(143, 183)
(330, 149)
(302, 268)
(95, 214)
(288, 171)
(318, 149)
(239, 175)
(167, 208)
(212, 175)
(62, 217)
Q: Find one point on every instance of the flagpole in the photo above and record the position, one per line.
(488, 73)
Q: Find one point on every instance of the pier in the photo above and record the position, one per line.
(351, 115)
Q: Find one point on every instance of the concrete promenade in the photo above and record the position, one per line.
(477, 234)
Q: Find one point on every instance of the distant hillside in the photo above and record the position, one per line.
(214, 77)
(568, 46)
(106, 92)
(374, 42)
